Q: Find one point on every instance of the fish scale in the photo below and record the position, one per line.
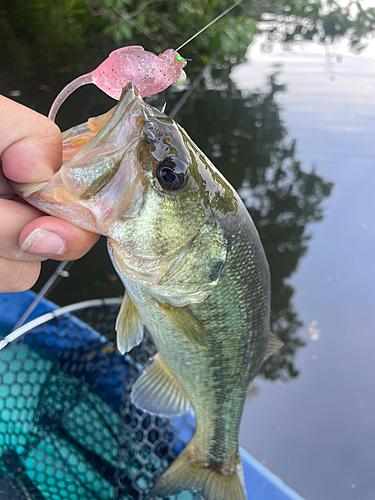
(238, 338)
(195, 275)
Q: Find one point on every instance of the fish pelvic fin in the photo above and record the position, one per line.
(158, 392)
(274, 344)
(214, 483)
(128, 326)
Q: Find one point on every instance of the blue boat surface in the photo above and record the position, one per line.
(64, 372)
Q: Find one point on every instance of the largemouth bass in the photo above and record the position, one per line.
(194, 271)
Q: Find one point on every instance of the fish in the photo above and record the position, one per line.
(195, 275)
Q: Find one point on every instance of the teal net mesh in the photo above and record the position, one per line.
(68, 429)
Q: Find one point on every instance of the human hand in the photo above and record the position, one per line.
(31, 151)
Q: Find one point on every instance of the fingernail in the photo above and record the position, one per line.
(44, 243)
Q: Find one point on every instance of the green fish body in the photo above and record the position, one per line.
(194, 271)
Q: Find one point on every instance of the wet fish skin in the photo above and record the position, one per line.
(190, 259)
(235, 318)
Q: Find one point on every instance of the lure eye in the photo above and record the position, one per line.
(181, 78)
(169, 175)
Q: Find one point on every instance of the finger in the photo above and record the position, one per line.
(56, 239)
(18, 276)
(5, 190)
(14, 217)
(30, 143)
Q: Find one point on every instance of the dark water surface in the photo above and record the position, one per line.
(318, 432)
(311, 421)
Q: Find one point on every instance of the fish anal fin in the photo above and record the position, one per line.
(274, 344)
(183, 319)
(185, 474)
(158, 392)
(128, 326)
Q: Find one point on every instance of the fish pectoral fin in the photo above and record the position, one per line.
(158, 392)
(186, 323)
(195, 272)
(273, 345)
(128, 326)
(186, 474)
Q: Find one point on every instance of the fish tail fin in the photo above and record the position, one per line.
(186, 474)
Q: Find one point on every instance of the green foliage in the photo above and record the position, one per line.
(47, 32)
(169, 24)
(323, 22)
(237, 34)
(41, 32)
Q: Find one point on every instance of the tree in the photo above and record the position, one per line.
(43, 34)
(169, 24)
(246, 138)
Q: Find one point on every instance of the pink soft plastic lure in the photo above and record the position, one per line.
(147, 71)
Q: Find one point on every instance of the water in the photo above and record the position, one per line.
(317, 432)
(315, 429)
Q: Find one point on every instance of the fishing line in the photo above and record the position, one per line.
(61, 270)
(210, 24)
(193, 86)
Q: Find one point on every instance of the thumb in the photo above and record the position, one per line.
(30, 143)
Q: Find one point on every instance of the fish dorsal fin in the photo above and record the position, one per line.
(158, 392)
(128, 326)
(273, 345)
(186, 323)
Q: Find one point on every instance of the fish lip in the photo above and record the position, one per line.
(148, 110)
(133, 101)
(125, 108)
(129, 97)
(129, 88)
(89, 171)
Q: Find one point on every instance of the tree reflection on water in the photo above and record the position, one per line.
(242, 133)
(247, 140)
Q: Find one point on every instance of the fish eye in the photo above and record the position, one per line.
(169, 175)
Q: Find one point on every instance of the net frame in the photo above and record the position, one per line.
(76, 384)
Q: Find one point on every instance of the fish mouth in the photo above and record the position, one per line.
(131, 103)
(122, 126)
(97, 163)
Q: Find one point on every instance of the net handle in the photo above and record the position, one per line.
(114, 301)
